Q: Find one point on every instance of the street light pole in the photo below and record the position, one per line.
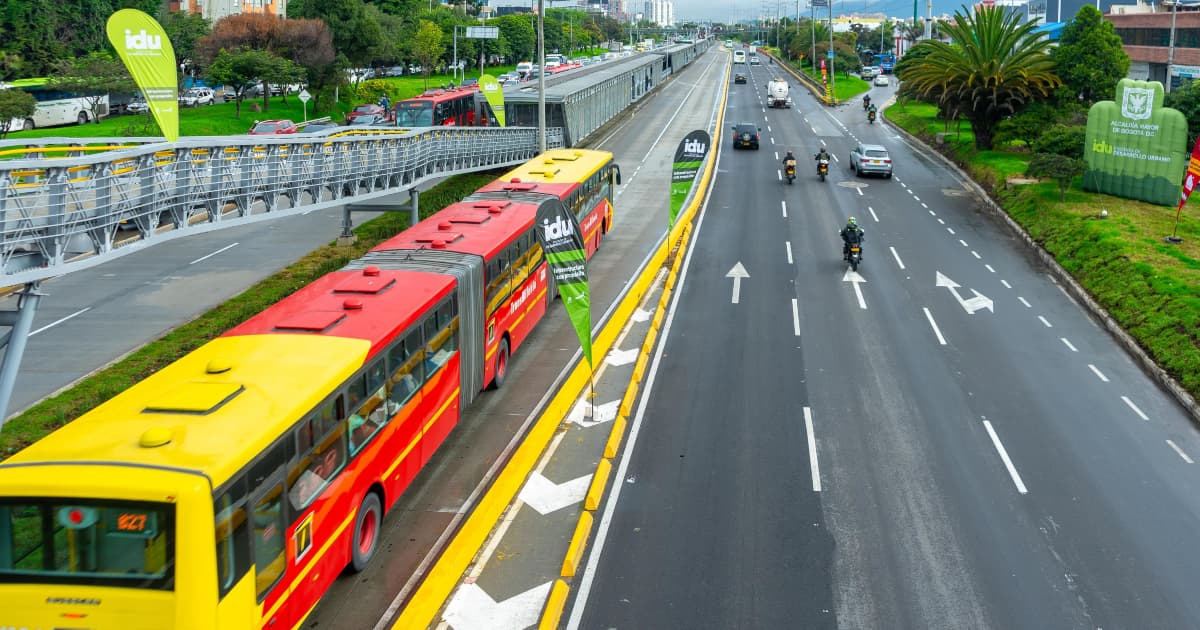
(541, 52)
(1171, 45)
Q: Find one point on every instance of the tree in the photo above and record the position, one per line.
(1090, 57)
(184, 30)
(258, 31)
(1186, 99)
(1029, 124)
(519, 35)
(1065, 140)
(1060, 168)
(994, 66)
(428, 47)
(93, 78)
(15, 105)
(912, 58)
(356, 33)
(240, 70)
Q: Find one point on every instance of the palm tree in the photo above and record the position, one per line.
(993, 66)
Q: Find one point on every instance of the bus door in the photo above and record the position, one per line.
(268, 533)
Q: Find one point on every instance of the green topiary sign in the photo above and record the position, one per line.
(1136, 148)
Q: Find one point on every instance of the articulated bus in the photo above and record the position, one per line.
(232, 487)
(455, 107)
(54, 107)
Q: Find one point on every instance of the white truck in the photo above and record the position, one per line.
(777, 94)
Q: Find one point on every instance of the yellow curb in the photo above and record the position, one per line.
(552, 613)
(583, 530)
(627, 401)
(639, 368)
(614, 438)
(599, 483)
(649, 343)
(656, 324)
(671, 278)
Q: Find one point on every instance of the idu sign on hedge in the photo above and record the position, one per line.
(1135, 147)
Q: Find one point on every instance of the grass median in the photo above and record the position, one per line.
(1150, 287)
(42, 418)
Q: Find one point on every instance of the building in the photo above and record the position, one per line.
(214, 10)
(1146, 37)
(661, 12)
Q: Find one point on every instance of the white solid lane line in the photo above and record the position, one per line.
(812, 450)
(1098, 373)
(1023, 301)
(789, 251)
(203, 258)
(59, 321)
(1181, 453)
(897, 257)
(796, 316)
(1135, 408)
(937, 331)
(1045, 321)
(873, 215)
(1068, 343)
(1012, 471)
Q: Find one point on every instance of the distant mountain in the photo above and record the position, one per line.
(904, 8)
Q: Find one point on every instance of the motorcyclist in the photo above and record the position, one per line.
(789, 160)
(866, 101)
(871, 111)
(851, 235)
(823, 154)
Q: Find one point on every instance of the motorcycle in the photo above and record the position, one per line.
(854, 257)
(866, 104)
(822, 168)
(871, 117)
(789, 171)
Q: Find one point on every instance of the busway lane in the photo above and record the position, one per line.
(425, 517)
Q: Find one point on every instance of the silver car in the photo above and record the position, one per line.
(871, 158)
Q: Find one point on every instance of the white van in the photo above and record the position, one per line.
(524, 68)
(739, 56)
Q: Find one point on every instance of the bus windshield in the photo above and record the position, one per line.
(87, 541)
(414, 114)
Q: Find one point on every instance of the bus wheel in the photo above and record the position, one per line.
(28, 126)
(83, 118)
(501, 365)
(366, 532)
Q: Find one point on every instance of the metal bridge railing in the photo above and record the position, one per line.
(59, 214)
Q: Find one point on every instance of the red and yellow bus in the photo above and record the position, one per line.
(454, 107)
(232, 487)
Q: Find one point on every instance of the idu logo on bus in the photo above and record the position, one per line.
(142, 41)
(559, 229)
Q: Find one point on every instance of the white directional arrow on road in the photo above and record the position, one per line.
(545, 496)
(970, 305)
(641, 315)
(854, 278)
(737, 273)
(471, 608)
(588, 414)
(617, 358)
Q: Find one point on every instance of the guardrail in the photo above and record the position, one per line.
(61, 214)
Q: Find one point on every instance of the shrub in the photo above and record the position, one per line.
(1062, 140)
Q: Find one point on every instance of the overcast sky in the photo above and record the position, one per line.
(731, 10)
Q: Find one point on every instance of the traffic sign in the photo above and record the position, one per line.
(483, 32)
(829, 53)
(304, 96)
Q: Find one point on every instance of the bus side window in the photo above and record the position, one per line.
(519, 272)
(376, 410)
(441, 336)
(268, 518)
(320, 452)
(406, 362)
(499, 274)
(233, 537)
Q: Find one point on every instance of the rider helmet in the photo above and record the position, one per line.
(852, 221)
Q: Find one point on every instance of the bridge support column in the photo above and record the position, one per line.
(347, 237)
(21, 320)
(414, 205)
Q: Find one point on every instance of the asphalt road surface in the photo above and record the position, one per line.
(883, 449)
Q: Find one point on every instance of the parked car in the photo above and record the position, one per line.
(138, 105)
(368, 120)
(871, 158)
(318, 127)
(197, 96)
(367, 109)
(273, 128)
(394, 71)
